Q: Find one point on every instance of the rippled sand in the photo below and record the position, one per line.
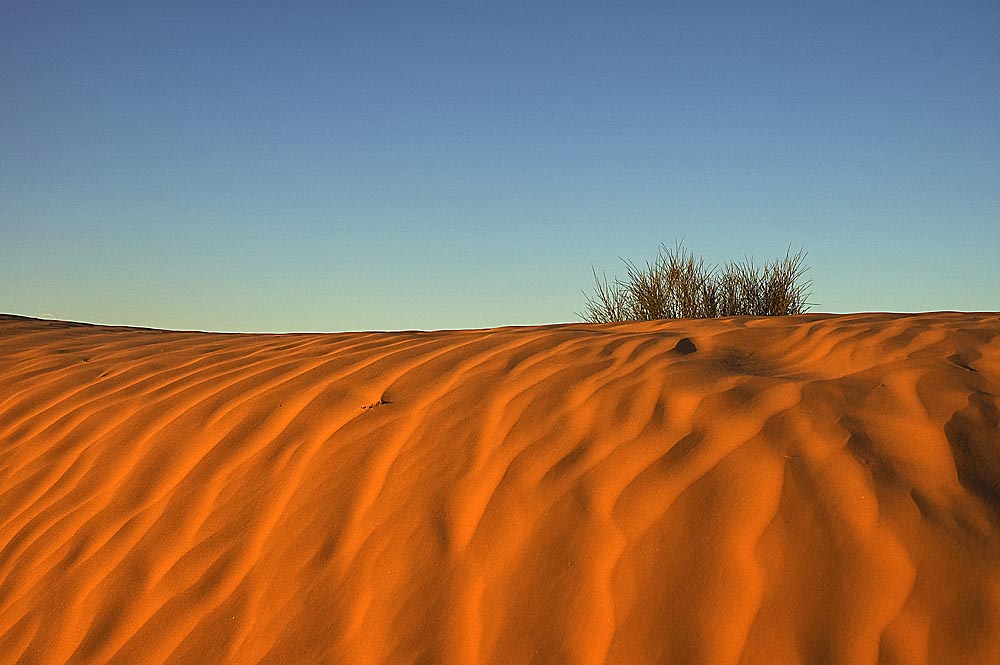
(810, 489)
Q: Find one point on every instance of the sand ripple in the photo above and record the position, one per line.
(811, 489)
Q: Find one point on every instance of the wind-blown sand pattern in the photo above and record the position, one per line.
(810, 489)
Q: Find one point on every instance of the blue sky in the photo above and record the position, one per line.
(377, 166)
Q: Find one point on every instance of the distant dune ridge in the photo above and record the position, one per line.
(807, 489)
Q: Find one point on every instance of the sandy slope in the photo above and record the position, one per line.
(814, 489)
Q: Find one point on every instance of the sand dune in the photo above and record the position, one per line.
(811, 489)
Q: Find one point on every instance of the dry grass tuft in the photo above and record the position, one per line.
(678, 285)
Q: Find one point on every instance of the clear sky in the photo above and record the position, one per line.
(330, 166)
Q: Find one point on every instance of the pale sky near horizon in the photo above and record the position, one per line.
(330, 166)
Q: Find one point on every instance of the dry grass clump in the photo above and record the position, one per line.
(677, 285)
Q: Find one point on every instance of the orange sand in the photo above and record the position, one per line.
(812, 489)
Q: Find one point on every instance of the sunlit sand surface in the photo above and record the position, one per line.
(811, 489)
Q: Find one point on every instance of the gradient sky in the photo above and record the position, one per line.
(331, 166)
